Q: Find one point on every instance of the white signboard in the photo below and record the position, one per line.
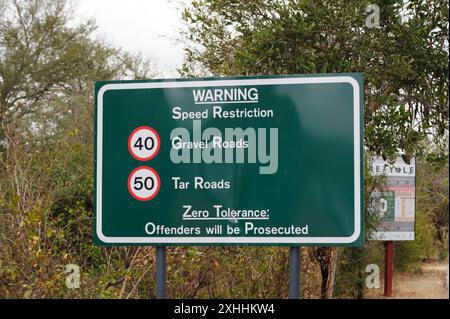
(395, 202)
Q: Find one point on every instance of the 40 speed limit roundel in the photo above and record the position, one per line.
(144, 143)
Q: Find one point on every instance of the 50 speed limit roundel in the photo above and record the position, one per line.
(144, 143)
(144, 183)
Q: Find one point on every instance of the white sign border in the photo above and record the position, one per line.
(231, 240)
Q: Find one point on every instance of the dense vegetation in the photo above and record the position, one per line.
(47, 68)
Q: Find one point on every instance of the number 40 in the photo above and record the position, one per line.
(148, 144)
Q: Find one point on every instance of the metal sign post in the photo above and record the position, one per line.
(388, 259)
(161, 274)
(294, 272)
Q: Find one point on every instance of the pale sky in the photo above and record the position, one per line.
(148, 27)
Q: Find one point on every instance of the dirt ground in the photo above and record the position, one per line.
(430, 283)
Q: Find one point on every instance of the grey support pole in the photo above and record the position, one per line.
(294, 272)
(161, 274)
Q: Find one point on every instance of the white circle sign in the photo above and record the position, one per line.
(144, 143)
(144, 183)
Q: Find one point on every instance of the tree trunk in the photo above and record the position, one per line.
(327, 258)
(332, 273)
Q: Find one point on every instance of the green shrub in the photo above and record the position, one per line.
(408, 255)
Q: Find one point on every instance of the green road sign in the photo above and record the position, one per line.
(248, 160)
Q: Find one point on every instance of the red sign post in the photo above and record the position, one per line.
(389, 260)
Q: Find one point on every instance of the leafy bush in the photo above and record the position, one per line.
(408, 255)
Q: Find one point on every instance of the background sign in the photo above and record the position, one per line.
(258, 161)
(396, 201)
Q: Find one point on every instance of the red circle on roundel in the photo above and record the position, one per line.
(130, 149)
(158, 179)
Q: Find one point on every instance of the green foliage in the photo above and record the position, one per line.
(44, 61)
(431, 234)
(47, 66)
(404, 61)
(408, 255)
(228, 272)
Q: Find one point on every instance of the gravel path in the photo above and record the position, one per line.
(431, 283)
